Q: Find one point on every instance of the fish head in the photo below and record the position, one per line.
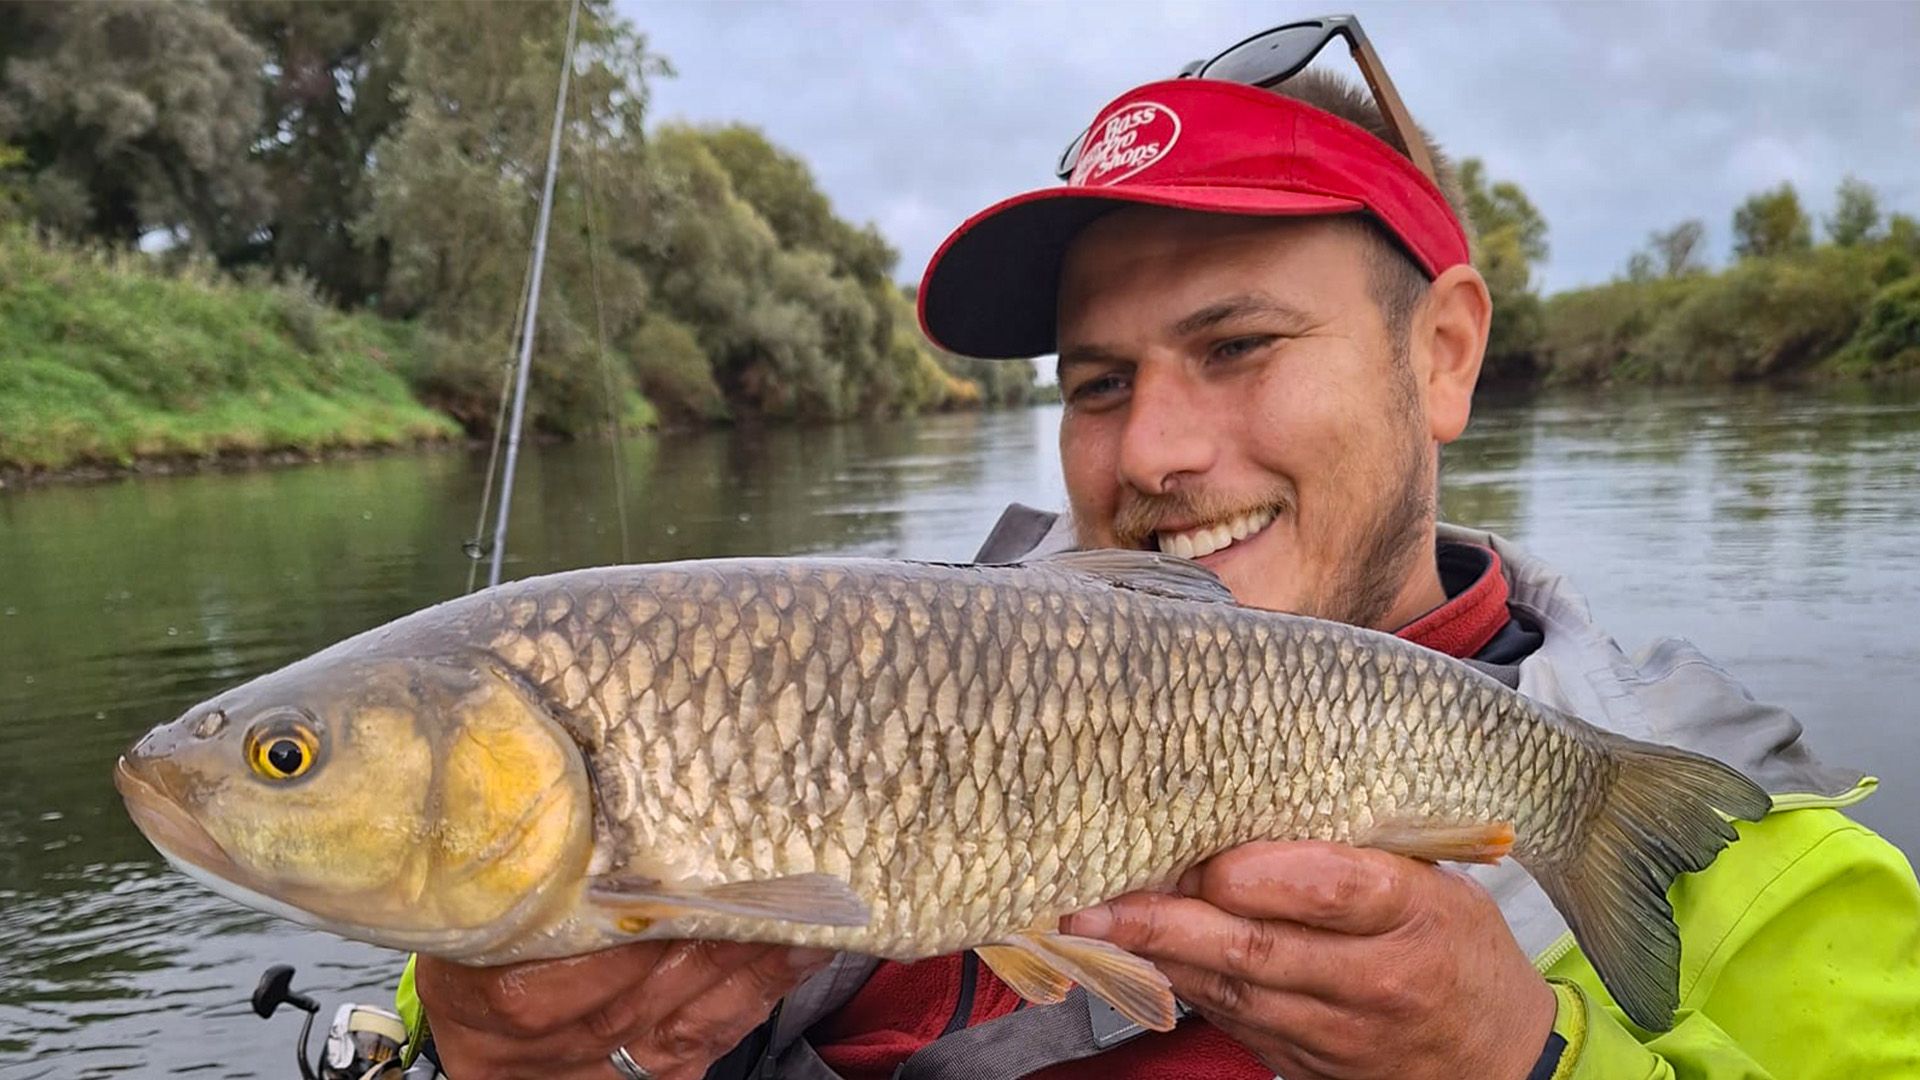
(424, 804)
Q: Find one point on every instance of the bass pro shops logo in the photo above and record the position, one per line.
(1132, 137)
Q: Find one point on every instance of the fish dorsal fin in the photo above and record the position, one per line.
(1143, 571)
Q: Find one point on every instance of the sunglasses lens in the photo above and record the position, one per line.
(1269, 58)
(1070, 156)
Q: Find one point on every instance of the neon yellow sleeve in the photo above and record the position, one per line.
(1801, 960)
(406, 1002)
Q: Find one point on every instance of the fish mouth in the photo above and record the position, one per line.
(1198, 542)
(168, 826)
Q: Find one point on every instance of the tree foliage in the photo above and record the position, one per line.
(1771, 223)
(1678, 251)
(391, 156)
(134, 118)
(330, 89)
(1510, 238)
(1856, 213)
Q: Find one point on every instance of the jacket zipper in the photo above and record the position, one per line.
(962, 1009)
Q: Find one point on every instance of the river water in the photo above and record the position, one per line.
(1780, 531)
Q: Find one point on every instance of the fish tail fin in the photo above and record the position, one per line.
(1660, 817)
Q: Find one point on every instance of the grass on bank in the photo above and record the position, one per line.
(105, 359)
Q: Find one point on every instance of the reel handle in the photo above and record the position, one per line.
(275, 989)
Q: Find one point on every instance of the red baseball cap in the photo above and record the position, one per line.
(1195, 144)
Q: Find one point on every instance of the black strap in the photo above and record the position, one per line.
(1010, 1046)
(1550, 1055)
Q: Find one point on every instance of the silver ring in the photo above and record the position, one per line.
(624, 1064)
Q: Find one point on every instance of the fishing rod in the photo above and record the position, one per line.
(533, 302)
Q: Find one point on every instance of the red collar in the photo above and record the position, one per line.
(1469, 619)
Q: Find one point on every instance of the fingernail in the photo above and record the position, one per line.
(1093, 922)
(808, 959)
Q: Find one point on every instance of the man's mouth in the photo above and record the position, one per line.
(1204, 540)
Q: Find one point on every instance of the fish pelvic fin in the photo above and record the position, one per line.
(813, 899)
(1440, 841)
(1046, 962)
(1028, 975)
(1664, 813)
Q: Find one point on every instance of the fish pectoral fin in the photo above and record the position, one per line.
(1437, 841)
(1028, 974)
(1130, 984)
(815, 899)
(1144, 571)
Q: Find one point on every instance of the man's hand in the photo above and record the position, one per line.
(1330, 962)
(677, 1006)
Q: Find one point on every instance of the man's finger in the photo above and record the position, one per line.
(716, 1020)
(536, 997)
(1335, 887)
(1195, 933)
(687, 970)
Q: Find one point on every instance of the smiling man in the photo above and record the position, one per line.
(1268, 325)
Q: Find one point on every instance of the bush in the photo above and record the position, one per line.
(673, 371)
(1592, 335)
(1762, 317)
(1888, 341)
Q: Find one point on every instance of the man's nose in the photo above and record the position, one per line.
(1169, 435)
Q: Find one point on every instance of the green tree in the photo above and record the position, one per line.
(1511, 236)
(331, 89)
(456, 184)
(1677, 251)
(1856, 213)
(781, 188)
(1771, 223)
(134, 118)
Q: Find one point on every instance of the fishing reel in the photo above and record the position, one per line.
(363, 1042)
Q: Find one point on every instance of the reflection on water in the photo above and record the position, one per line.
(1776, 530)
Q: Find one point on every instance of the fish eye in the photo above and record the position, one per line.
(282, 749)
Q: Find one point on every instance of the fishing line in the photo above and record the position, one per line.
(591, 169)
(475, 546)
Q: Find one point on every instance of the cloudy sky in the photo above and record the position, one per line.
(1616, 119)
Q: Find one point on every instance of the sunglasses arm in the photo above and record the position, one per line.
(1389, 101)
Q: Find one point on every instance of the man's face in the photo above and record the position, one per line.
(1233, 394)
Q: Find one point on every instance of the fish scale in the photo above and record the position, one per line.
(1196, 787)
(905, 760)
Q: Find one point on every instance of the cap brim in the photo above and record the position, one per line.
(992, 288)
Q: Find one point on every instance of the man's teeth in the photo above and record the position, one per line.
(1207, 539)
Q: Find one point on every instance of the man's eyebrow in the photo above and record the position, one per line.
(1234, 307)
(1076, 355)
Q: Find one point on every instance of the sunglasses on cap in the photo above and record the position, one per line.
(1273, 56)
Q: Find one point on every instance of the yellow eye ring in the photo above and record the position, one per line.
(283, 751)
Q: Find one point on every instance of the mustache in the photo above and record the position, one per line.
(1141, 515)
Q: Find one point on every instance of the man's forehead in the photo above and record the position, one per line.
(1180, 264)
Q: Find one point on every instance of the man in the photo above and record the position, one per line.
(1267, 326)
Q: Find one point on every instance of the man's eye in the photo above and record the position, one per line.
(1095, 390)
(1235, 348)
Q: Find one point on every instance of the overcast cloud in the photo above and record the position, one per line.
(1616, 119)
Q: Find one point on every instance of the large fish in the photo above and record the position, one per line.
(894, 758)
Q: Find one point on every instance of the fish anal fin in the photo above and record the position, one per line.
(1438, 841)
(1132, 985)
(1027, 973)
(813, 899)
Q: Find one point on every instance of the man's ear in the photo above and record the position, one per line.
(1449, 342)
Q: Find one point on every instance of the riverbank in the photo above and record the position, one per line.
(1821, 314)
(107, 363)
(117, 363)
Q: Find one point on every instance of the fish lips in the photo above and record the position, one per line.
(168, 826)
